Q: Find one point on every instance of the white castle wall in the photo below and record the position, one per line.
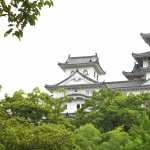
(145, 63)
(87, 92)
(147, 75)
(72, 105)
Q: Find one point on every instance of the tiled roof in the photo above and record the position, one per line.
(146, 38)
(119, 85)
(75, 86)
(125, 84)
(141, 55)
(136, 73)
(133, 75)
(82, 61)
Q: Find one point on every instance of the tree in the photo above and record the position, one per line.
(87, 137)
(115, 139)
(17, 135)
(20, 13)
(34, 121)
(110, 109)
(35, 107)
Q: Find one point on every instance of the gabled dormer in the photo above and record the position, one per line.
(87, 65)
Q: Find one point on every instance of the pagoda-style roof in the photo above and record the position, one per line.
(82, 61)
(134, 75)
(146, 38)
(141, 55)
(138, 72)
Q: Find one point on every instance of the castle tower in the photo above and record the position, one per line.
(141, 69)
(87, 65)
(83, 78)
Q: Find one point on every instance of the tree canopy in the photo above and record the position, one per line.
(109, 120)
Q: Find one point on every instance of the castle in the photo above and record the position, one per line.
(84, 73)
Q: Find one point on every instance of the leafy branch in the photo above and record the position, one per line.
(20, 13)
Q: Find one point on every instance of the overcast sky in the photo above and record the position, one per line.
(78, 27)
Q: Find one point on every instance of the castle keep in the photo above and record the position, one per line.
(83, 78)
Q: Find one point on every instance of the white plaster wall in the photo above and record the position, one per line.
(58, 94)
(72, 106)
(87, 92)
(145, 63)
(147, 75)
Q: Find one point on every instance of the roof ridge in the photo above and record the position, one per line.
(74, 57)
(124, 81)
(77, 71)
(66, 79)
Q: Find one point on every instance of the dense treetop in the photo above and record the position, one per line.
(36, 121)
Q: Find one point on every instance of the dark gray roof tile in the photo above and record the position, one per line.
(146, 38)
(141, 55)
(82, 59)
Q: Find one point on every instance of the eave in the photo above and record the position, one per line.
(125, 86)
(134, 75)
(91, 64)
(75, 86)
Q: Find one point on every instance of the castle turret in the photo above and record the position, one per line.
(87, 65)
(141, 69)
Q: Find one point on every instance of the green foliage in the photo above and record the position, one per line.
(20, 13)
(115, 139)
(34, 121)
(35, 107)
(42, 137)
(110, 109)
(87, 137)
(109, 120)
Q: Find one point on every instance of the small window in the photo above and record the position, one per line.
(75, 90)
(66, 106)
(85, 72)
(78, 106)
